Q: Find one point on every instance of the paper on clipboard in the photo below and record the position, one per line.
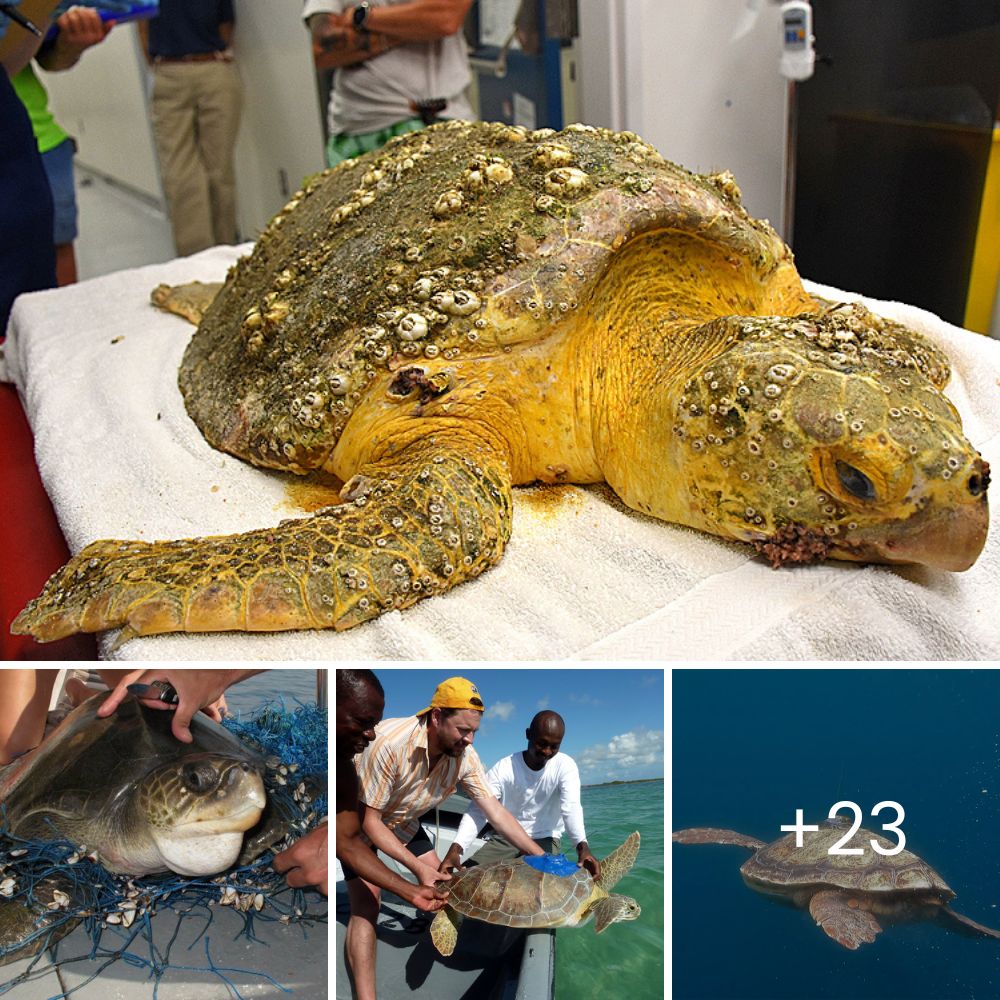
(496, 21)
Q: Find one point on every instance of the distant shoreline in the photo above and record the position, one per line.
(632, 781)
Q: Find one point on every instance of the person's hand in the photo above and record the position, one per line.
(427, 898)
(429, 875)
(452, 859)
(82, 27)
(305, 862)
(588, 861)
(197, 690)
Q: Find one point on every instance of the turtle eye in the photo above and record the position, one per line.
(855, 481)
(200, 777)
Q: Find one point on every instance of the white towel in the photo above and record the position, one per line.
(583, 577)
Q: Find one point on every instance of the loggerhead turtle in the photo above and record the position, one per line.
(847, 895)
(515, 894)
(475, 306)
(135, 796)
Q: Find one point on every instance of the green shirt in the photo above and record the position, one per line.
(33, 96)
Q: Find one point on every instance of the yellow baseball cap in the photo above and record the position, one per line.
(455, 692)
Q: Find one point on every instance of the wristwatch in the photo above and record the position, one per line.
(359, 17)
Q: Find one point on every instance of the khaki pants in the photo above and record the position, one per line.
(196, 115)
(497, 848)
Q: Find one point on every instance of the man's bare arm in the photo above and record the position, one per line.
(503, 821)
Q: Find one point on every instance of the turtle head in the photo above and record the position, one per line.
(197, 808)
(613, 909)
(828, 436)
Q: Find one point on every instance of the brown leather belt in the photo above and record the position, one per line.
(218, 56)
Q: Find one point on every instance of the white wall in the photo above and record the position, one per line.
(101, 101)
(671, 71)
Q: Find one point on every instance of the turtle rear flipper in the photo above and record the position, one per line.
(187, 301)
(967, 925)
(28, 927)
(844, 918)
(444, 930)
(713, 835)
(430, 516)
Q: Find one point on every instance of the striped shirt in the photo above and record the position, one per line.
(396, 777)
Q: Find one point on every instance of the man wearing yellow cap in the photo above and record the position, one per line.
(413, 764)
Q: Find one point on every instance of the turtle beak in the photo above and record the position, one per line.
(949, 538)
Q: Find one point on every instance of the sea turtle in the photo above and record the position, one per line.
(477, 306)
(515, 894)
(140, 800)
(849, 896)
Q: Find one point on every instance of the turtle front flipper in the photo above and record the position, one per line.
(618, 863)
(187, 301)
(414, 524)
(713, 835)
(967, 925)
(844, 918)
(444, 930)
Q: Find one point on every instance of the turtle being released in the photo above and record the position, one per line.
(125, 789)
(849, 896)
(515, 894)
(475, 306)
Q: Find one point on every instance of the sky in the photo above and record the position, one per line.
(614, 718)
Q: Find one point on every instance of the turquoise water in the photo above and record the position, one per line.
(626, 960)
(752, 746)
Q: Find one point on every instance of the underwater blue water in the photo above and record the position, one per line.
(751, 746)
(626, 959)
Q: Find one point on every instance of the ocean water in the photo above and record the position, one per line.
(288, 683)
(752, 746)
(626, 959)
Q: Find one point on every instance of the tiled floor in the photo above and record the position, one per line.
(118, 229)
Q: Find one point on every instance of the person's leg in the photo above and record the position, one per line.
(24, 703)
(58, 163)
(185, 185)
(220, 103)
(359, 946)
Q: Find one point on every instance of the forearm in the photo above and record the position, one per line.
(18, 51)
(361, 858)
(347, 47)
(387, 842)
(419, 21)
(56, 57)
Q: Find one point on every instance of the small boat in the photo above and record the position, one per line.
(489, 963)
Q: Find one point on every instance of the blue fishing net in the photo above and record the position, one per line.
(117, 911)
(553, 864)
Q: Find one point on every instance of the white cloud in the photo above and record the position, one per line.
(635, 754)
(542, 703)
(500, 710)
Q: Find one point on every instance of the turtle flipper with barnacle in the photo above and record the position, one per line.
(475, 307)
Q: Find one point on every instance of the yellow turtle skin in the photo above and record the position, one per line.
(475, 307)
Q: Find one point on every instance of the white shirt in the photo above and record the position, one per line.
(376, 93)
(544, 802)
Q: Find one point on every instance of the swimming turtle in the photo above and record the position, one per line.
(125, 790)
(515, 894)
(476, 306)
(849, 896)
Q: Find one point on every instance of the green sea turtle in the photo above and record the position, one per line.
(515, 894)
(125, 790)
(849, 896)
(475, 307)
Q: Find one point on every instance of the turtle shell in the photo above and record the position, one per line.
(516, 895)
(459, 242)
(781, 866)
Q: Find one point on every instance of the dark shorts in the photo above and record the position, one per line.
(419, 845)
(58, 163)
